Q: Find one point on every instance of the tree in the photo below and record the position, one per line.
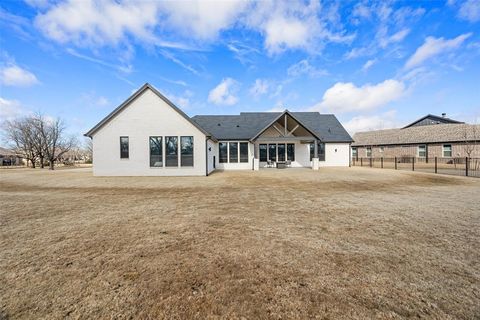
(52, 137)
(471, 137)
(21, 134)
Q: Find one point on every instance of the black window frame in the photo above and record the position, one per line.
(321, 151)
(184, 157)
(168, 157)
(451, 150)
(230, 152)
(124, 154)
(270, 153)
(152, 163)
(281, 156)
(265, 157)
(243, 156)
(223, 159)
(291, 155)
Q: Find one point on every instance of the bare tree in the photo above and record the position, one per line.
(471, 137)
(21, 134)
(53, 138)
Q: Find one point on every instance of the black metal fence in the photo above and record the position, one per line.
(469, 167)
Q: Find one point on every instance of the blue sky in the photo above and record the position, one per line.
(373, 64)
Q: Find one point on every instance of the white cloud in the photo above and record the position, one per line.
(224, 93)
(374, 122)
(400, 35)
(125, 68)
(91, 99)
(433, 47)
(470, 10)
(304, 67)
(183, 101)
(203, 20)
(368, 64)
(346, 97)
(13, 75)
(260, 87)
(10, 109)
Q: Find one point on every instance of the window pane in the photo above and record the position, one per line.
(272, 152)
(156, 152)
(124, 147)
(369, 152)
(243, 151)
(263, 152)
(186, 147)
(447, 150)
(291, 151)
(321, 151)
(281, 152)
(354, 152)
(422, 151)
(233, 150)
(223, 157)
(171, 151)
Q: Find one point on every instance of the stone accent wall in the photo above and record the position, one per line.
(433, 150)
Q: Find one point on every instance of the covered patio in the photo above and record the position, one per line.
(286, 143)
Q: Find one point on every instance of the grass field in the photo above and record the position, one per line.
(332, 244)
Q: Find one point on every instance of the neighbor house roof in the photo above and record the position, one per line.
(419, 134)
(430, 119)
(248, 125)
(6, 152)
(127, 102)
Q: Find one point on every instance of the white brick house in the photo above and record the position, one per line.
(148, 135)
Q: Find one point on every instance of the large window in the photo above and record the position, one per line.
(171, 154)
(243, 151)
(124, 147)
(354, 153)
(447, 150)
(369, 152)
(281, 152)
(263, 152)
(156, 159)
(321, 151)
(186, 149)
(291, 151)
(422, 151)
(272, 152)
(233, 151)
(223, 152)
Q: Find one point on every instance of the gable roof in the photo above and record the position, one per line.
(127, 102)
(451, 132)
(249, 124)
(433, 118)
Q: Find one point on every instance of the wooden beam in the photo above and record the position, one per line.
(279, 131)
(296, 127)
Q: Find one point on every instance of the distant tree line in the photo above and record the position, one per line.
(40, 140)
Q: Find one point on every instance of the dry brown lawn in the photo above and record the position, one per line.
(337, 243)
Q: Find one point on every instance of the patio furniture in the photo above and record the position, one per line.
(288, 163)
(281, 165)
(269, 164)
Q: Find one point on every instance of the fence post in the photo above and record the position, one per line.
(371, 162)
(381, 161)
(435, 164)
(466, 166)
(395, 163)
(413, 163)
(361, 162)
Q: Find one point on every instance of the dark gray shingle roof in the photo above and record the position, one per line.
(246, 125)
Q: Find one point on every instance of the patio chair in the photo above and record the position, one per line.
(288, 163)
(269, 164)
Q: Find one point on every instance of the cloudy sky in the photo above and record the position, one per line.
(373, 64)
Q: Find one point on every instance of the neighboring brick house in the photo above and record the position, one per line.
(428, 137)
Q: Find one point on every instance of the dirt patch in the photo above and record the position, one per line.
(337, 243)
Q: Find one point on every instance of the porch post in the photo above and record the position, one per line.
(315, 163)
(256, 161)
